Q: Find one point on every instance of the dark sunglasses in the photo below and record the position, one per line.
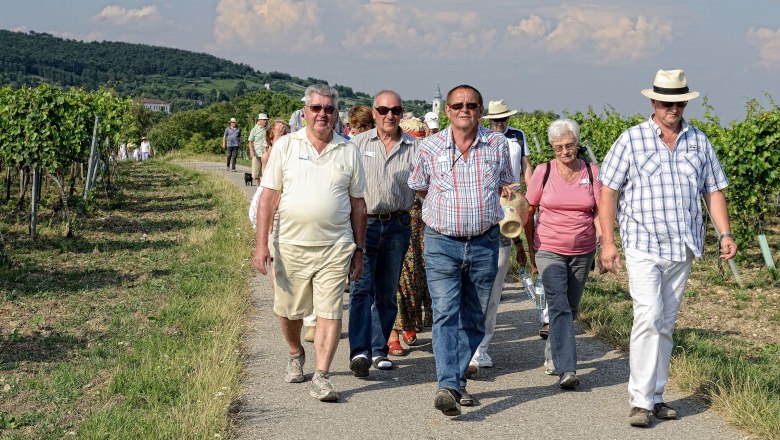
(396, 111)
(665, 104)
(316, 108)
(459, 106)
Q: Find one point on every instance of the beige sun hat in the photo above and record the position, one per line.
(515, 213)
(232, 120)
(670, 86)
(499, 110)
(262, 116)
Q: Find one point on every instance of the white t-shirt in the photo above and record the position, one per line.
(314, 205)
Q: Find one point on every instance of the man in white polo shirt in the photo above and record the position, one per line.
(316, 178)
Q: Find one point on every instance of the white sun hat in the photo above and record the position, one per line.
(431, 120)
(499, 110)
(670, 86)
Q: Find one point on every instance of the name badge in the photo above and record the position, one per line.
(303, 157)
(370, 153)
(584, 181)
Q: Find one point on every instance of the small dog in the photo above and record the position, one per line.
(248, 179)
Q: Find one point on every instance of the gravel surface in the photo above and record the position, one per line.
(515, 398)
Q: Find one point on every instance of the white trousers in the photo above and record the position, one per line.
(495, 298)
(657, 286)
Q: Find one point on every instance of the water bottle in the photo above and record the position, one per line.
(541, 300)
(528, 285)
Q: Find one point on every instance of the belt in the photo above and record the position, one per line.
(470, 237)
(385, 216)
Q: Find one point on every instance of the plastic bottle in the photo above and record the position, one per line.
(528, 284)
(541, 299)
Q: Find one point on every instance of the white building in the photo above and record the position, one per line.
(157, 105)
(436, 104)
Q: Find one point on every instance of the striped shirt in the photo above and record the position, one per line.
(463, 196)
(659, 207)
(387, 174)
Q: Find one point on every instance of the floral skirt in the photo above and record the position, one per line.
(414, 301)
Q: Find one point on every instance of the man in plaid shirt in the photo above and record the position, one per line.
(653, 176)
(460, 172)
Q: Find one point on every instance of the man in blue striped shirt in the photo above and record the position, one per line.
(654, 176)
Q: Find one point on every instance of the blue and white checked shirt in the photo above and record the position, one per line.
(463, 197)
(659, 207)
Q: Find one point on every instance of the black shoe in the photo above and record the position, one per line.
(664, 411)
(360, 365)
(465, 398)
(544, 332)
(447, 402)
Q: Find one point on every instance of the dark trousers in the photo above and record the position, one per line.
(232, 153)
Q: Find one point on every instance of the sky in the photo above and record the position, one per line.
(534, 54)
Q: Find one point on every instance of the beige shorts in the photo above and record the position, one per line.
(256, 167)
(310, 278)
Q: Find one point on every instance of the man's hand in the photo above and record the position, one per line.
(506, 191)
(609, 259)
(728, 248)
(356, 266)
(262, 260)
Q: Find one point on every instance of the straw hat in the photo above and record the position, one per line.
(232, 120)
(515, 212)
(670, 86)
(412, 126)
(499, 110)
(262, 116)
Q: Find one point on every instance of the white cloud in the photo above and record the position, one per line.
(423, 33)
(264, 23)
(599, 34)
(767, 41)
(119, 16)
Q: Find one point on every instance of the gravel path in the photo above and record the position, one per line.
(516, 399)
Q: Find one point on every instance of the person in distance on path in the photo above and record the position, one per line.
(653, 177)
(316, 179)
(460, 172)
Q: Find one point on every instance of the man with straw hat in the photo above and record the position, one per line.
(231, 141)
(498, 115)
(653, 177)
(257, 146)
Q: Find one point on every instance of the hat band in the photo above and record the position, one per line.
(667, 91)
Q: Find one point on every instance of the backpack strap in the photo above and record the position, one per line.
(547, 175)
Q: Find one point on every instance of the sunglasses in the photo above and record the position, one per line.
(396, 111)
(567, 147)
(316, 108)
(665, 104)
(459, 106)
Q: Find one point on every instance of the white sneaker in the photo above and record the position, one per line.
(483, 360)
(549, 368)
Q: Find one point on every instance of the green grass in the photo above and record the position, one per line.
(131, 329)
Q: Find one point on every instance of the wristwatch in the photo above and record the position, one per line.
(360, 249)
(724, 235)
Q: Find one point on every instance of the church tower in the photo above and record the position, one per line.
(436, 104)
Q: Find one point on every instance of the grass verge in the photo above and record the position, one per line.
(131, 329)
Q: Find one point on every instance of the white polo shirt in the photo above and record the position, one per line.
(314, 208)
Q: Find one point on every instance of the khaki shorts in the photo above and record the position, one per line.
(256, 167)
(310, 278)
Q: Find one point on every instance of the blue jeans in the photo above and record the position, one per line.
(564, 279)
(460, 277)
(372, 303)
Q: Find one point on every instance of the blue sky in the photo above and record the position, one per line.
(537, 55)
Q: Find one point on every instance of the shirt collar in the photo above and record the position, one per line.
(482, 136)
(684, 127)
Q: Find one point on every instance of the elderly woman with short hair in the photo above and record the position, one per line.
(565, 192)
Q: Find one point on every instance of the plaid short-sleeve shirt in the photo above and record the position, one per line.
(463, 196)
(659, 207)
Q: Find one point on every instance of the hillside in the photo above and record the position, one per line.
(186, 79)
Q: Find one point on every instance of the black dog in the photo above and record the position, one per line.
(248, 179)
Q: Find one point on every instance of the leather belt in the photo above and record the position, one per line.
(470, 237)
(385, 216)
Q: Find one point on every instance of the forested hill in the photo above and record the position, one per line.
(186, 79)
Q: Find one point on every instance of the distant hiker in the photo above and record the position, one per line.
(654, 176)
(231, 142)
(257, 146)
(316, 179)
(122, 153)
(146, 148)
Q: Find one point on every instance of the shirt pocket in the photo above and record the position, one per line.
(492, 174)
(649, 164)
(691, 165)
(341, 176)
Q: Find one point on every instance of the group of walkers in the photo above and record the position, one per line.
(404, 210)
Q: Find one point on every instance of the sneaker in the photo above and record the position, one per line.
(472, 370)
(483, 360)
(544, 332)
(360, 365)
(465, 398)
(382, 363)
(664, 411)
(294, 372)
(321, 388)
(309, 336)
(639, 417)
(549, 368)
(569, 381)
(446, 402)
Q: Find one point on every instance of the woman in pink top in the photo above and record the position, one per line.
(565, 192)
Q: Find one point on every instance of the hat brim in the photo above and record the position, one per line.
(670, 98)
(500, 115)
